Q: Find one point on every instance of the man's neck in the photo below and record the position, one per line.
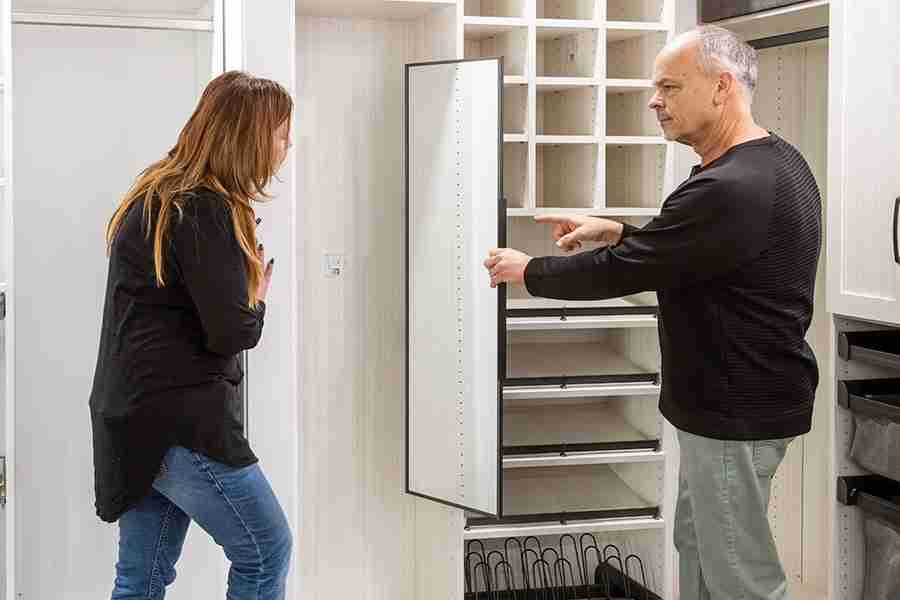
(726, 134)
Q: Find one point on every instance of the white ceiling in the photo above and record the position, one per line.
(379, 9)
(181, 8)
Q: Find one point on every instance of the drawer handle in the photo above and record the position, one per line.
(896, 211)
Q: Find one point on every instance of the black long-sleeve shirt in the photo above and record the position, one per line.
(167, 370)
(733, 258)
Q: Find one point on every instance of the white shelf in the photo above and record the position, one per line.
(515, 138)
(551, 29)
(634, 140)
(576, 527)
(617, 31)
(517, 396)
(568, 360)
(778, 21)
(567, 139)
(578, 322)
(515, 80)
(584, 458)
(570, 489)
(477, 28)
(557, 84)
(590, 212)
(628, 86)
(3, 182)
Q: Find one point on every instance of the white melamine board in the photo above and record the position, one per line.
(350, 151)
(570, 360)
(572, 54)
(575, 394)
(576, 424)
(568, 9)
(395, 10)
(578, 322)
(453, 172)
(635, 175)
(180, 8)
(433, 37)
(570, 112)
(495, 8)
(515, 109)
(76, 160)
(512, 45)
(570, 489)
(630, 54)
(791, 101)
(788, 19)
(635, 10)
(575, 353)
(515, 173)
(575, 528)
(627, 114)
(567, 175)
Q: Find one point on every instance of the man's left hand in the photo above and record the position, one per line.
(506, 266)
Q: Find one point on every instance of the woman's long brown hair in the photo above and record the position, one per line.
(226, 146)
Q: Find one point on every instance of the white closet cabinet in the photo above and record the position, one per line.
(863, 253)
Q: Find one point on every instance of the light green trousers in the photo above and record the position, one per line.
(722, 529)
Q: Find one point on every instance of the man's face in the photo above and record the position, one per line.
(685, 97)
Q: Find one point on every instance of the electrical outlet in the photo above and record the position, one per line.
(334, 265)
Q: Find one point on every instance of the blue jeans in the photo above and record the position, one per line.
(236, 506)
(725, 545)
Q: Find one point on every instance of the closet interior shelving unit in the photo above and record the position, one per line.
(585, 450)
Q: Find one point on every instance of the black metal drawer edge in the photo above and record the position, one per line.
(852, 397)
(875, 495)
(575, 448)
(563, 381)
(564, 313)
(852, 345)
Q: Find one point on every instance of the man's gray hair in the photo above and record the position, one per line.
(721, 49)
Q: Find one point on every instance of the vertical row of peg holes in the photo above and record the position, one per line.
(460, 277)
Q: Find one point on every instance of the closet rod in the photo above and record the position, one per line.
(112, 21)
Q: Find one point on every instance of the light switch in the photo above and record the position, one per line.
(334, 265)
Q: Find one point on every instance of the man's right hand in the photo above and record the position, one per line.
(570, 231)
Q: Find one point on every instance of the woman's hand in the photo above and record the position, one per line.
(570, 231)
(263, 289)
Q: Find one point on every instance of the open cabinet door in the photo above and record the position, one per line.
(7, 333)
(455, 320)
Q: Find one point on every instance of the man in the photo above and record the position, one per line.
(733, 259)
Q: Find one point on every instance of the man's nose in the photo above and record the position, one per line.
(655, 102)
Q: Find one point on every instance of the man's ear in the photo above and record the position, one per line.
(725, 86)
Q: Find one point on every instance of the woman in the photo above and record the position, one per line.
(185, 295)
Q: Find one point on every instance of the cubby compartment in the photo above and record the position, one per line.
(582, 356)
(617, 429)
(878, 500)
(515, 174)
(567, 9)
(650, 11)
(630, 52)
(515, 109)
(488, 41)
(567, 175)
(495, 8)
(875, 405)
(635, 175)
(627, 113)
(567, 52)
(569, 111)
(584, 492)
(583, 564)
